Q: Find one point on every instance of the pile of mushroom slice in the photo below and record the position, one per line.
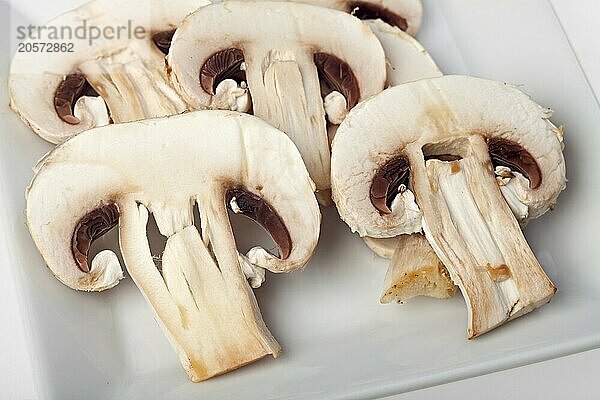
(434, 172)
(420, 157)
(110, 79)
(200, 293)
(119, 174)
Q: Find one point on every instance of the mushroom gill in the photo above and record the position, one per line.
(242, 202)
(162, 40)
(364, 10)
(91, 227)
(69, 90)
(336, 75)
(224, 64)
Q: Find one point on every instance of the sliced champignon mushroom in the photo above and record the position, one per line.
(444, 127)
(288, 56)
(215, 159)
(405, 15)
(408, 61)
(117, 77)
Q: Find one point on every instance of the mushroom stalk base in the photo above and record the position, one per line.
(415, 270)
(476, 236)
(202, 315)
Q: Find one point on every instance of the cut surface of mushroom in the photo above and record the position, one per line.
(118, 77)
(443, 127)
(288, 57)
(122, 173)
(415, 270)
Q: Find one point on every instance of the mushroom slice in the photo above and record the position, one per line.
(121, 173)
(405, 15)
(118, 76)
(444, 128)
(408, 61)
(289, 56)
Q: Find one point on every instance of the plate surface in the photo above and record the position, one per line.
(339, 343)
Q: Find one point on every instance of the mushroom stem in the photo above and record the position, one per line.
(415, 270)
(203, 315)
(132, 87)
(226, 256)
(287, 95)
(478, 239)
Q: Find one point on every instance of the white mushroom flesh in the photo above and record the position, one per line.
(407, 60)
(91, 108)
(231, 96)
(514, 187)
(335, 107)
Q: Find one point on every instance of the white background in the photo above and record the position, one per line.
(569, 377)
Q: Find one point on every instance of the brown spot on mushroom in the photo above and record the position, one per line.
(224, 64)
(364, 10)
(336, 75)
(168, 69)
(386, 182)
(162, 40)
(70, 89)
(93, 225)
(454, 167)
(512, 155)
(257, 209)
(499, 273)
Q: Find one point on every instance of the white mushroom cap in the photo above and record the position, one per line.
(167, 164)
(278, 43)
(404, 118)
(404, 14)
(35, 76)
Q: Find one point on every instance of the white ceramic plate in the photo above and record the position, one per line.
(339, 343)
